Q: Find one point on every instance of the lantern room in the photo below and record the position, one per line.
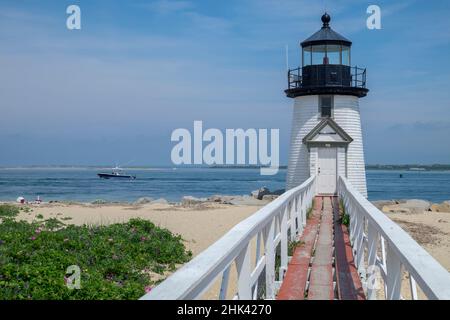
(326, 66)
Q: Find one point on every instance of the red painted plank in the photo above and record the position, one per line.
(294, 283)
(348, 282)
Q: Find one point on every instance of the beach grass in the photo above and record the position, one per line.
(117, 261)
(8, 210)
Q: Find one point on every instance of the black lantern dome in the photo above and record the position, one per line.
(326, 66)
(326, 35)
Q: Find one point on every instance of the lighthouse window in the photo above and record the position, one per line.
(319, 55)
(307, 56)
(334, 54)
(326, 106)
(345, 56)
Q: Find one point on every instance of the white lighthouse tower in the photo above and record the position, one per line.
(326, 138)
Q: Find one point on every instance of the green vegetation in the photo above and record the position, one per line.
(291, 248)
(345, 218)
(292, 245)
(116, 261)
(310, 210)
(7, 210)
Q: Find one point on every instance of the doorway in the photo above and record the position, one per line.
(326, 171)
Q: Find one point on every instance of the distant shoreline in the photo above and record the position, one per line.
(393, 167)
(410, 167)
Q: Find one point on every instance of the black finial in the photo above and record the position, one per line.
(326, 20)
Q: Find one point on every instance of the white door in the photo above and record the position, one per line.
(326, 171)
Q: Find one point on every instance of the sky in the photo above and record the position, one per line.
(114, 91)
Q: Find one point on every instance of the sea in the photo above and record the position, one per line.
(82, 184)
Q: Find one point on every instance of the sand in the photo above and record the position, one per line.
(429, 229)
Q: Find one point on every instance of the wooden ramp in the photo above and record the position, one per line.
(322, 266)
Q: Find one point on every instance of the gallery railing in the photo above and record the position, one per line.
(327, 76)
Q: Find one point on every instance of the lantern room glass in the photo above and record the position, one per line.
(334, 54)
(346, 56)
(307, 55)
(326, 54)
(319, 54)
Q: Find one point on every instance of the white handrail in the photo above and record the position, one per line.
(272, 225)
(379, 242)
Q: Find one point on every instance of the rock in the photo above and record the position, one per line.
(394, 209)
(221, 199)
(246, 201)
(258, 194)
(160, 201)
(269, 197)
(381, 203)
(417, 206)
(441, 207)
(190, 200)
(99, 201)
(143, 200)
(217, 198)
(410, 206)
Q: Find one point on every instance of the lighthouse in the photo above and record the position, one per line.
(326, 138)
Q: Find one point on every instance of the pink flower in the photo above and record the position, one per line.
(33, 238)
(148, 289)
(143, 238)
(37, 230)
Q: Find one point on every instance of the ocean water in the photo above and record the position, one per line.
(82, 184)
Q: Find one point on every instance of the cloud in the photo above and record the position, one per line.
(222, 63)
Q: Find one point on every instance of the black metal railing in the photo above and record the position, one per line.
(327, 76)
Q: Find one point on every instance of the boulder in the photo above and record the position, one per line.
(215, 198)
(441, 207)
(381, 203)
(221, 199)
(411, 206)
(190, 200)
(269, 197)
(143, 200)
(258, 194)
(99, 201)
(245, 201)
(160, 201)
(416, 206)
